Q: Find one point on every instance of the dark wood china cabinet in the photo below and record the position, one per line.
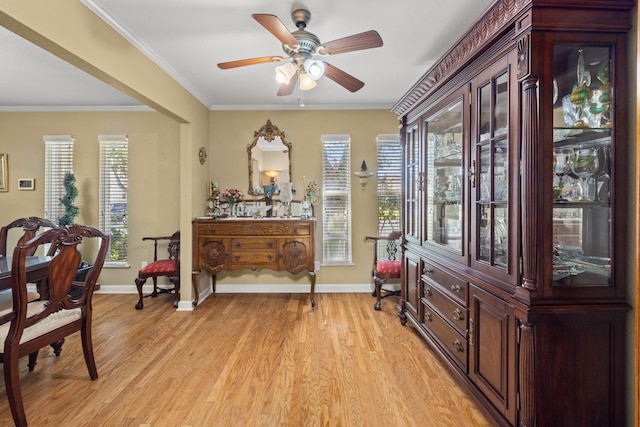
(514, 213)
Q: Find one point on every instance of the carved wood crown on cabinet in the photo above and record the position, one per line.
(513, 269)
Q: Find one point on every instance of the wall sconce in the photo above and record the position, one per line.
(272, 176)
(363, 175)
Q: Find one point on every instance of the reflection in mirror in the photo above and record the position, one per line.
(269, 158)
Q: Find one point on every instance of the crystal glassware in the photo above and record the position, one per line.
(585, 164)
(562, 162)
(286, 196)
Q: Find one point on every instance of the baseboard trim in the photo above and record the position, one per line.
(255, 288)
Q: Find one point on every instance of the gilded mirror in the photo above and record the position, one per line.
(269, 158)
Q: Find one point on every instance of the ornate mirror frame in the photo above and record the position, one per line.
(269, 133)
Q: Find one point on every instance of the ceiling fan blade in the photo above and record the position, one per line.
(274, 25)
(343, 79)
(286, 89)
(250, 61)
(366, 40)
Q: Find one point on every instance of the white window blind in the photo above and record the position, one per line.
(58, 160)
(336, 199)
(389, 171)
(114, 182)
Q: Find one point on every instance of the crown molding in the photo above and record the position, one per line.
(146, 50)
(69, 108)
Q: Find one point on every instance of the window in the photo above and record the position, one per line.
(389, 183)
(58, 160)
(336, 199)
(114, 179)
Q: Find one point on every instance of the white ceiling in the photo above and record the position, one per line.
(187, 38)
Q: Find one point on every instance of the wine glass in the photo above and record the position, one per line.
(585, 164)
(562, 162)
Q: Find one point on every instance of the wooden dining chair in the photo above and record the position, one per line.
(168, 267)
(386, 264)
(29, 326)
(30, 226)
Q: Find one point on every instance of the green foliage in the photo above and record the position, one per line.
(118, 245)
(70, 194)
(388, 211)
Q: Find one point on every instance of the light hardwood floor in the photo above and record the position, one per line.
(246, 360)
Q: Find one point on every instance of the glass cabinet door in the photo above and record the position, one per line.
(413, 182)
(444, 178)
(582, 129)
(490, 173)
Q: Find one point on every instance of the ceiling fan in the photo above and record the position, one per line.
(302, 67)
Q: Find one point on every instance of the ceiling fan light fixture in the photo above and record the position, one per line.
(306, 82)
(314, 68)
(285, 72)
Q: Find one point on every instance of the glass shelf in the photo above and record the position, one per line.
(582, 138)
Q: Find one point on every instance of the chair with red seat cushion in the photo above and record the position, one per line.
(386, 266)
(169, 267)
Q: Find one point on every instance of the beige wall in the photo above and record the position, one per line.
(154, 184)
(153, 172)
(232, 131)
(69, 30)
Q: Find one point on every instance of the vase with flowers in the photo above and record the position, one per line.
(232, 196)
(311, 197)
(213, 200)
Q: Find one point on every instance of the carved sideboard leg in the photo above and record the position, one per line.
(313, 288)
(196, 291)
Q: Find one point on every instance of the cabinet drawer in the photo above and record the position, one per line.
(255, 228)
(293, 229)
(453, 343)
(253, 244)
(453, 312)
(454, 287)
(248, 259)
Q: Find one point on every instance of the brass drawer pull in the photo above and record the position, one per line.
(427, 291)
(457, 314)
(427, 270)
(471, 332)
(427, 316)
(456, 288)
(457, 345)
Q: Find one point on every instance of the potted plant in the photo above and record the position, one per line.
(68, 217)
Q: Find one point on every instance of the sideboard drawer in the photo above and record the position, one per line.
(249, 244)
(255, 228)
(453, 312)
(454, 287)
(240, 259)
(452, 342)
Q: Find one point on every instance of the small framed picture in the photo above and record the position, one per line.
(26, 184)
(4, 173)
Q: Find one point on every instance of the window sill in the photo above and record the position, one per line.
(116, 264)
(338, 264)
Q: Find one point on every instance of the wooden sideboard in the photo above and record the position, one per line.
(254, 244)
